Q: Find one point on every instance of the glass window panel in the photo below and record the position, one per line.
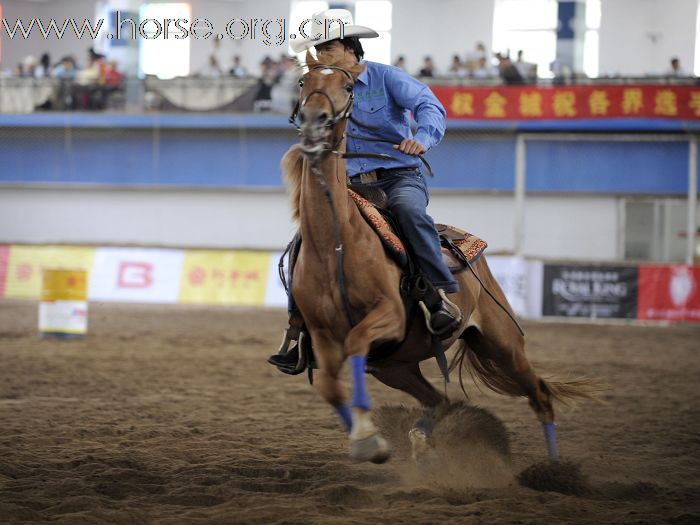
(591, 53)
(525, 14)
(374, 14)
(160, 57)
(593, 14)
(300, 11)
(378, 49)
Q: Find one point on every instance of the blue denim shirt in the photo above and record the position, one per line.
(385, 97)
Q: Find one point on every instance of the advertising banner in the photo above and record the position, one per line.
(275, 294)
(26, 264)
(570, 102)
(589, 291)
(145, 275)
(669, 293)
(4, 261)
(224, 277)
(511, 274)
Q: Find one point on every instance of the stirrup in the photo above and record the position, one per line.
(451, 308)
(291, 336)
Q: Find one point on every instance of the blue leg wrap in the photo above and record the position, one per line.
(345, 416)
(360, 398)
(550, 434)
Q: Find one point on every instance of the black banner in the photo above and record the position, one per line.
(590, 291)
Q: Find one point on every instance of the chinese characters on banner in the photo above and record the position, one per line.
(570, 102)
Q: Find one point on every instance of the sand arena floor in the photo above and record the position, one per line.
(171, 415)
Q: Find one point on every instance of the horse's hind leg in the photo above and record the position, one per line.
(498, 340)
(409, 379)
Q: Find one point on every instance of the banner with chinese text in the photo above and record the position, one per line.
(570, 102)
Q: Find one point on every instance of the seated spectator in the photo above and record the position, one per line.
(457, 69)
(400, 63)
(676, 70)
(428, 69)
(527, 70)
(113, 77)
(483, 70)
(508, 72)
(237, 70)
(44, 68)
(212, 69)
(66, 69)
(473, 59)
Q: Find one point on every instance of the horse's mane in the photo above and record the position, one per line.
(291, 165)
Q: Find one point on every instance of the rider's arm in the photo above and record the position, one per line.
(427, 110)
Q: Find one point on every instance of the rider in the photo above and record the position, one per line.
(385, 97)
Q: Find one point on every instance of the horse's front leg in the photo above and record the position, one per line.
(330, 357)
(381, 324)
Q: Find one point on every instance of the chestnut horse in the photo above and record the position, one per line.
(347, 288)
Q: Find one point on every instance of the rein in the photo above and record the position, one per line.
(337, 117)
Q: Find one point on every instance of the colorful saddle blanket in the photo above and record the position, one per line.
(470, 245)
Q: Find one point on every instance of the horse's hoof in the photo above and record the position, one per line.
(374, 448)
(421, 445)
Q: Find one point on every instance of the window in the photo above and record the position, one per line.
(300, 11)
(530, 26)
(377, 15)
(164, 58)
(591, 46)
(697, 44)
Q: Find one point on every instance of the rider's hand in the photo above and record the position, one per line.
(410, 147)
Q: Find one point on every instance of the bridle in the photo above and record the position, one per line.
(337, 116)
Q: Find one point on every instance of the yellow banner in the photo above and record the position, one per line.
(218, 277)
(26, 264)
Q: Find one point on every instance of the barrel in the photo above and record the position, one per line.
(63, 309)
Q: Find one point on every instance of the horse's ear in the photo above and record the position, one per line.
(310, 60)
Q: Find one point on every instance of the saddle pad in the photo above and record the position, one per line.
(391, 241)
(470, 245)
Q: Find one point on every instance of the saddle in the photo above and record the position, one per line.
(459, 247)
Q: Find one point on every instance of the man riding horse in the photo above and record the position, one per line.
(385, 98)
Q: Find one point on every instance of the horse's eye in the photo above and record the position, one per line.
(301, 82)
(349, 88)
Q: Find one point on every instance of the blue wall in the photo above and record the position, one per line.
(243, 151)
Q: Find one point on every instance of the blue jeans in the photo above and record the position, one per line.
(408, 200)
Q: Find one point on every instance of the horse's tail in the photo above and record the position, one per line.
(487, 372)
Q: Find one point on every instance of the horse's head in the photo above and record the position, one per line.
(325, 102)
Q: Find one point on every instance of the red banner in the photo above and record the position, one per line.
(570, 102)
(669, 293)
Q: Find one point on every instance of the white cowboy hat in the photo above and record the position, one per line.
(328, 25)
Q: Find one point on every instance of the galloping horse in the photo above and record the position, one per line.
(347, 288)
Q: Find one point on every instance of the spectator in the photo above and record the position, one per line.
(212, 69)
(527, 70)
(676, 70)
(508, 72)
(483, 70)
(457, 69)
(285, 92)
(237, 70)
(66, 69)
(473, 59)
(400, 63)
(44, 67)
(29, 66)
(428, 69)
